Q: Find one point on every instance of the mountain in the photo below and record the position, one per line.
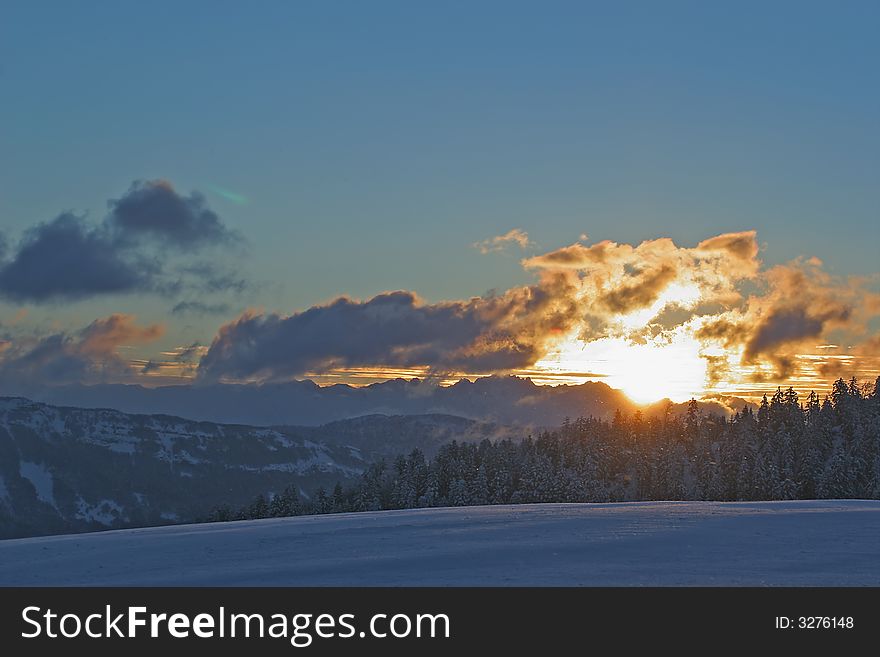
(499, 399)
(74, 469)
(384, 436)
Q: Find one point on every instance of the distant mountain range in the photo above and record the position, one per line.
(505, 400)
(73, 469)
(73, 465)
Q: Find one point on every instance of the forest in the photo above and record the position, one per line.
(788, 448)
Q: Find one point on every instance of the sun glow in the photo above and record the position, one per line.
(647, 364)
(646, 372)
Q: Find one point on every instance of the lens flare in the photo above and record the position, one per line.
(238, 199)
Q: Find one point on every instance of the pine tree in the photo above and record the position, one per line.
(458, 494)
(259, 508)
(286, 504)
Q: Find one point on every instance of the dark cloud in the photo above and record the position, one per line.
(674, 314)
(67, 258)
(188, 354)
(493, 333)
(642, 292)
(789, 325)
(130, 251)
(88, 355)
(215, 277)
(199, 308)
(153, 209)
(717, 368)
(726, 332)
(835, 367)
(150, 366)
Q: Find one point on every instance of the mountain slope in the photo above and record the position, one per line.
(827, 543)
(73, 469)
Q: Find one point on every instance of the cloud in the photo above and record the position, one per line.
(213, 277)
(86, 356)
(798, 304)
(199, 308)
(728, 333)
(788, 325)
(743, 245)
(870, 347)
(131, 250)
(715, 295)
(725, 258)
(66, 258)
(150, 366)
(642, 292)
(576, 256)
(483, 334)
(103, 335)
(153, 209)
(582, 289)
(500, 242)
(834, 368)
(189, 354)
(636, 290)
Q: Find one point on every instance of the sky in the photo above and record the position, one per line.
(189, 174)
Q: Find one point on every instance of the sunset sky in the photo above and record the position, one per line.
(674, 198)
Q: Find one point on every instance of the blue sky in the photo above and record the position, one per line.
(376, 142)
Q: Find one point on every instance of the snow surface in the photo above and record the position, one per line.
(41, 478)
(834, 543)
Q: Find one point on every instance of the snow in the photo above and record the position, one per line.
(12, 403)
(111, 434)
(41, 478)
(105, 512)
(827, 543)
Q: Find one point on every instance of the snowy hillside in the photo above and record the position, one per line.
(647, 543)
(73, 469)
(68, 469)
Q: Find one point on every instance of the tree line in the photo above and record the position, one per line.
(786, 449)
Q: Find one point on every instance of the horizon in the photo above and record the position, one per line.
(721, 399)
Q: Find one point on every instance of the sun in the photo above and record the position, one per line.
(666, 367)
(648, 365)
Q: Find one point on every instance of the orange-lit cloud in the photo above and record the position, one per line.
(85, 356)
(500, 242)
(709, 313)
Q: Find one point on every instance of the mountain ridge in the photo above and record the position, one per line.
(69, 469)
(504, 400)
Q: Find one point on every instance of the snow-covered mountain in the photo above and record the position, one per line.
(500, 399)
(74, 469)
